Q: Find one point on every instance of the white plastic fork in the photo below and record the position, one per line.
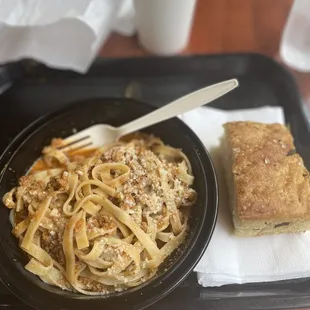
(98, 135)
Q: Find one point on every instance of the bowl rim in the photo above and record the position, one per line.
(202, 239)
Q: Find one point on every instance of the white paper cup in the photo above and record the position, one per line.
(164, 26)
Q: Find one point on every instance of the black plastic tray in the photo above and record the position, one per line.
(36, 90)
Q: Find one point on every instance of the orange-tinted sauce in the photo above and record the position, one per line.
(41, 165)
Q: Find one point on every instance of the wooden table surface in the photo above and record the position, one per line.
(227, 26)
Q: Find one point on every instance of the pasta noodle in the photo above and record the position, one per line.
(104, 221)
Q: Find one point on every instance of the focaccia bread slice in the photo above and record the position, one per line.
(268, 183)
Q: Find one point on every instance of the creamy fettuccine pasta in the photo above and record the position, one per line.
(102, 221)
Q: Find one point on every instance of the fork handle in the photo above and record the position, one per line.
(179, 106)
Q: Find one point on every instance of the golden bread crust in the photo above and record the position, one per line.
(270, 185)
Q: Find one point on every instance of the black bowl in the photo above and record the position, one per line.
(26, 147)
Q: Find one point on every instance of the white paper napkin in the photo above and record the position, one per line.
(62, 34)
(230, 259)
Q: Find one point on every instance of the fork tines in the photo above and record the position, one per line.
(74, 145)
